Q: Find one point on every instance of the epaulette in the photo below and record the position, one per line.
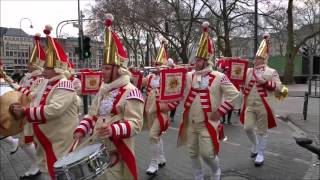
(38, 81)
(225, 80)
(135, 94)
(65, 84)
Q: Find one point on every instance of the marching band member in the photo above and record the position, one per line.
(156, 118)
(53, 111)
(171, 64)
(203, 109)
(27, 86)
(222, 65)
(261, 81)
(116, 113)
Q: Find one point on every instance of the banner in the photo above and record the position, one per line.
(90, 81)
(172, 82)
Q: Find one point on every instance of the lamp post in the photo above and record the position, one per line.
(19, 49)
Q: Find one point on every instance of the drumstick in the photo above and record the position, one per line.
(74, 145)
(6, 77)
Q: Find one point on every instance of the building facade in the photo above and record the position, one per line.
(16, 47)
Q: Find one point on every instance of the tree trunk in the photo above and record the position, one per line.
(227, 51)
(183, 55)
(289, 67)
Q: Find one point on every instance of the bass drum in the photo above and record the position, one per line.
(9, 125)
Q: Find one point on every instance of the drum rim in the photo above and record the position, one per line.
(85, 159)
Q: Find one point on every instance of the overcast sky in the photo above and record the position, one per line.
(40, 12)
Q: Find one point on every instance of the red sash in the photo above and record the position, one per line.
(43, 139)
(206, 107)
(262, 93)
(121, 146)
(163, 126)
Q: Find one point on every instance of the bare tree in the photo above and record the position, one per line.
(228, 17)
(294, 44)
(129, 31)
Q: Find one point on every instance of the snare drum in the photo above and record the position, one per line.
(84, 164)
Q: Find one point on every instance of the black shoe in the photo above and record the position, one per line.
(258, 164)
(151, 173)
(253, 155)
(161, 164)
(30, 176)
(12, 152)
(229, 122)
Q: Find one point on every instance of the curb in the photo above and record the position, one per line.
(313, 171)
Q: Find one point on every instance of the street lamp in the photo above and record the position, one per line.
(20, 56)
(26, 19)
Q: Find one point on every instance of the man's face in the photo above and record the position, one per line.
(108, 74)
(49, 73)
(258, 61)
(200, 63)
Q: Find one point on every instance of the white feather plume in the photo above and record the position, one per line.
(109, 16)
(205, 24)
(266, 35)
(48, 27)
(163, 40)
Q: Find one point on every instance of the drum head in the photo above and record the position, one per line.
(77, 156)
(8, 124)
(4, 89)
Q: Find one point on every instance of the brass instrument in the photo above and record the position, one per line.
(281, 95)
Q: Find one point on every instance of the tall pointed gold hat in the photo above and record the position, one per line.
(162, 56)
(55, 55)
(38, 55)
(114, 53)
(263, 50)
(205, 46)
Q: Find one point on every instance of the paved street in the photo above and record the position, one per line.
(284, 159)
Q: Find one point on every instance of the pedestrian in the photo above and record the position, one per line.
(203, 107)
(261, 82)
(116, 114)
(28, 86)
(54, 103)
(156, 118)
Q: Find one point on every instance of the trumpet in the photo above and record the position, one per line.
(281, 95)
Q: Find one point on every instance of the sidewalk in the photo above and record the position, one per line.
(307, 128)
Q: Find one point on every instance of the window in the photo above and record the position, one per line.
(11, 53)
(25, 54)
(7, 53)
